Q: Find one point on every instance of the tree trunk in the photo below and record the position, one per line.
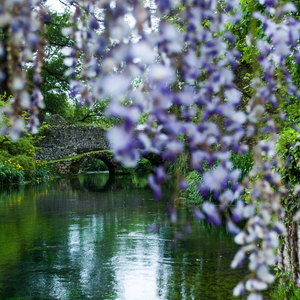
(289, 251)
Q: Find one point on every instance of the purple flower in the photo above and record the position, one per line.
(94, 23)
(215, 180)
(232, 228)
(187, 228)
(197, 158)
(183, 185)
(173, 214)
(161, 74)
(254, 296)
(212, 213)
(154, 227)
(156, 187)
(123, 143)
(173, 148)
(198, 214)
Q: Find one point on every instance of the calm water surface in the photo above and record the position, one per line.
(87, 237)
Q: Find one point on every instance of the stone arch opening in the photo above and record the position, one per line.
(105, 156)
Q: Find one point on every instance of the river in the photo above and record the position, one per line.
(87, 237)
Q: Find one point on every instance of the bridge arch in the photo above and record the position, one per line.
(106, 156)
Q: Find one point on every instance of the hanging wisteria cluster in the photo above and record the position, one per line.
(129, 51)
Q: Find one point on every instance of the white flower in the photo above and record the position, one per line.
(254, 296)
(25, 100)
(18, 84)
(240, 239)
(161, 73)
(263, 274)
(239, 290)
(297, 216)
(238, 259)
(255, 285)
(143, 51)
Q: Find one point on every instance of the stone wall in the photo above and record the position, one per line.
(68, 140)
(62, 167)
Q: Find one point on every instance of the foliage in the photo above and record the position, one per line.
(27, 163)
(94, 165)
(245, 28)
(43, 172)
(288, 149)
(90, 115)
(285, 289)
(11, 172)
(242, 162)
(55, 84)
(144, 166)
(19, 152)
(191, 194)
(24, 146)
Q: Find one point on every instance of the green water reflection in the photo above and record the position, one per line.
(87, 237)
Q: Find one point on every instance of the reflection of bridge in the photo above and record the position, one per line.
(69, 146)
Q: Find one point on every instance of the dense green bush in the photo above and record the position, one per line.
(242, 162)
(26, 162)
(191, 194)
(11, 172)
(143, 167)
(20, 153)
(24, 146)
(43, 172)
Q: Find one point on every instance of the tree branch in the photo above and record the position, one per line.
(60, 78)
(243, 92)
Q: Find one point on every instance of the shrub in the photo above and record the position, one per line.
(143, 167)
(11, 172)
(4, 155)
(192, 192)
(26, 162)
(242, 162)
(43, 172)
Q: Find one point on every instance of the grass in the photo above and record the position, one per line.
(285, 289)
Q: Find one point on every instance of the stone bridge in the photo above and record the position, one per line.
(68, 146)
(61, 141)
(72, 165)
